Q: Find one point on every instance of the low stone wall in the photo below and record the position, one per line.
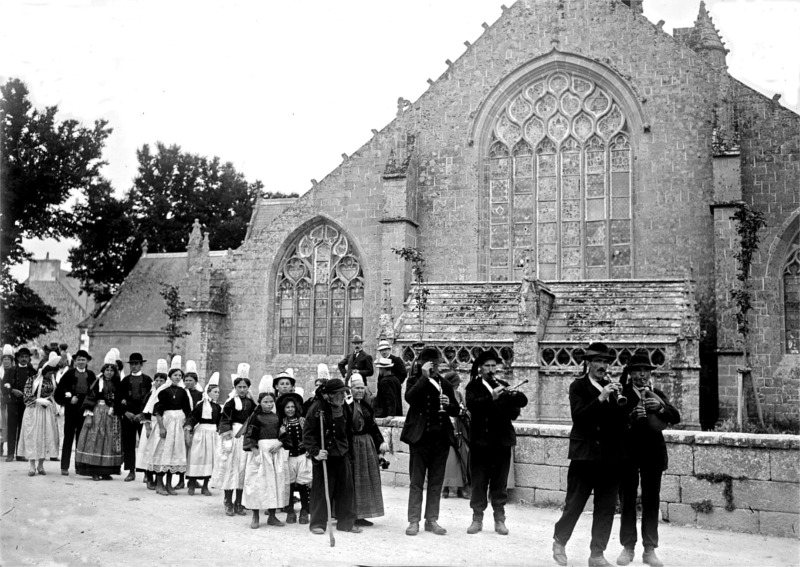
(728, 481)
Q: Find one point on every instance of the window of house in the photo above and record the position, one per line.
(559, 183)
(320, 293)
(791, 297)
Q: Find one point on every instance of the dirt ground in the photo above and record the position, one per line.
(57, 520)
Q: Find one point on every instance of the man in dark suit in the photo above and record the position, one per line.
(133, 397)
(429, 434)
(492, 408)
(398, 366)
(596, 454)
(356, 360)
(13, 387)
(70, 393)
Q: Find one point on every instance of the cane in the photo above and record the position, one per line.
(325, 476)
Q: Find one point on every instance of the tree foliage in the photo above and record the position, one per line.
(172, 188)
(43, 163)
(23, 314)
(176, 312)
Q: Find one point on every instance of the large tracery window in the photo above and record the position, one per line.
(320, 293)
(791, 297)
(560, 176)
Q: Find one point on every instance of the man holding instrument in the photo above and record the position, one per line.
(493, 406)
(596, 454)
(337, 421)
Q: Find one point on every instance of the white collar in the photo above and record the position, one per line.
(488, 387)
(135, 373)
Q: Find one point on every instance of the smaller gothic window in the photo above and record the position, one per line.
(320, 294)
(791, 297)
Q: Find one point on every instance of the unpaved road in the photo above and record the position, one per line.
(56, 520)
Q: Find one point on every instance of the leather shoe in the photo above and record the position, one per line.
(10, 459)
(649, 557)
(598, 561)
(625, 557)
(364, 523)
(352, 530)
(64, 472)
(559, 553)
(413, 528)
(500, 527)
(318, 531)
(432, 526)
(131, 476)
(475, 526)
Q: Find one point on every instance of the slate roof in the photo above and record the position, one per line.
(614, 311)
(137, 305)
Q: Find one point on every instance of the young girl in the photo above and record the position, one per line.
(171, 410)
(204, 455)
(99, 451)
(229, 476)
(266, 484)
(39, 439)
(143, 457)
(290, 412)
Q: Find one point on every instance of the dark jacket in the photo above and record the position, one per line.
(67, 384)
(126, 394)
(16, 377)
(491, 419)
(597, 427)
(399, 370)
(231, 415)
(361, 361)
(370, 427)
(423, 401)
(643, 444)
(312, 437)
(108, 396)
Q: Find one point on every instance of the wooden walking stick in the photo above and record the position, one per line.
(325, 476)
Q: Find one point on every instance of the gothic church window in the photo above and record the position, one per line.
(560, 182)
(791, 297)
(320, 293)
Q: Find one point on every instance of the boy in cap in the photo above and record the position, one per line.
(14, 381)
(133, 392)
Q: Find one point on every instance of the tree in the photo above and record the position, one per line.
(42, 163)
(421, 291)
(172, 188)
(23, 314)
(175, 312)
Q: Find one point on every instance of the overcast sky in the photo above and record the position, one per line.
(282, 89)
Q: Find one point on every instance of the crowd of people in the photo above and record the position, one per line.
(269, 451)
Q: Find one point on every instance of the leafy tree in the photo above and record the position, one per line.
(176, 313)
(172, 188)
(23, 314)
(42, 163)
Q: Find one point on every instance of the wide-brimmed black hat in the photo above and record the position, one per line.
(597, 351)
(82, 353)
(333, 386)
(429, 354)
(136, 357)
(23, 350)
(483, 358)
(639, 360)
(285, 399)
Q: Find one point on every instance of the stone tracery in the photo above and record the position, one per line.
(559, 168)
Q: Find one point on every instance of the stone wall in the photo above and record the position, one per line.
(764, 488)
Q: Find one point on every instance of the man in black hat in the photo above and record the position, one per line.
(356, 360)
(336, 452)
(596, 454)
(13, 388)
(649, 413)
(133, 390)
(429, 434)
(70, 393)
(492, 407)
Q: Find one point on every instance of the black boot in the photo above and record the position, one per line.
(305, 492)
(229, 503)
(273, 519)
(205, 491)
(160, 489)
(192, 485)
(255, 521)
(237, 506)
(181, 485)
(168, 485)
(291, 517)
(148, 478)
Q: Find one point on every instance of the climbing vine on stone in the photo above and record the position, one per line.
(421, 292)
(750, 222)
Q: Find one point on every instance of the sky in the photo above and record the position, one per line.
(283, 89)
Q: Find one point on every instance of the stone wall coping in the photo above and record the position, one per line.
(745, 440)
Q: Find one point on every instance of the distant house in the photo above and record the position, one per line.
(58, 289)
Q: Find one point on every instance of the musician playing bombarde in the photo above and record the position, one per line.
(492, 407)
(596, 454)
(649, 412)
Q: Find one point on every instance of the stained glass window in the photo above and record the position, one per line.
(320, 293)
(791, 297)
(559, 174)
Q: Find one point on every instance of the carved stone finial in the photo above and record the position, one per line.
(206, 248)
(144, 247)
(485, 25)
(374, 132)
(196, 237)
(467, 43)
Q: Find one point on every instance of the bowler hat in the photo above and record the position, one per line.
(333, 386)
(597, 351)
(356, 339)
(82, 353)
(483, 358)
(136, 357)
(23, 350)
(639, 360)
(429, 354)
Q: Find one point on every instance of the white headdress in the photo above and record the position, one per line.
(213, 381)
(242, 371)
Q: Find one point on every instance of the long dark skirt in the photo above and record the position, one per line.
(366, 478)
(99, 449)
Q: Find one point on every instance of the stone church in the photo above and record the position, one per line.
(570, 178)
